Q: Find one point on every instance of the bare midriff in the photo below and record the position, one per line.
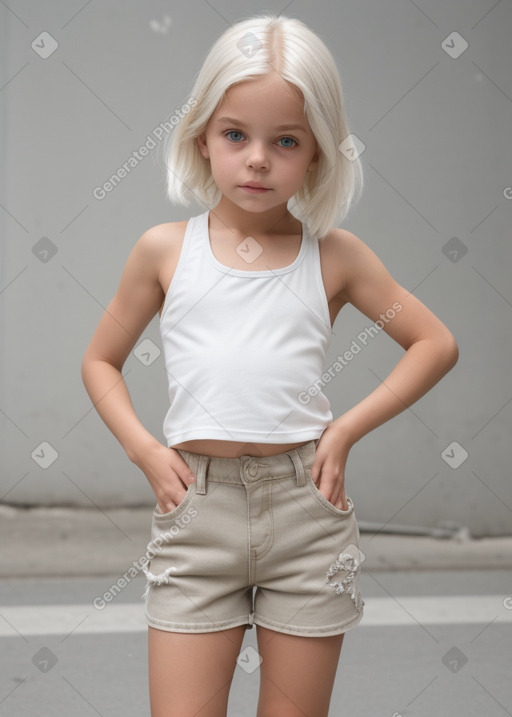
(235, 449)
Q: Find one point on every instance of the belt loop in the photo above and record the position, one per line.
(299, 466)
(202, 469)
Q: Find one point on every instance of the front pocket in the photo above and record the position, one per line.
(177, 510)
(322, 500)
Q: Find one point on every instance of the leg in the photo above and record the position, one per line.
(190, 674)
(297, 673)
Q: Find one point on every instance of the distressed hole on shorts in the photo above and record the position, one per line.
(343, 574)
(163, 578)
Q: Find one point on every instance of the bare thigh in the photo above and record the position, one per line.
(190, 673)
(297, 673)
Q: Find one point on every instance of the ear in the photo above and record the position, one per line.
(201, 141)
(314, 161)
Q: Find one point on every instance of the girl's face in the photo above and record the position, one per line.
(259, 134)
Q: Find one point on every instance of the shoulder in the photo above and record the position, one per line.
(158, 250)
(340, 244)
(158, 238)
(158, 244)
(347, 260)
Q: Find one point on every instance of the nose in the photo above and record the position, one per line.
(257, 157)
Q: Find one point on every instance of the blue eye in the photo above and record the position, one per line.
(287, 138)
(290, 141)
(233, 131)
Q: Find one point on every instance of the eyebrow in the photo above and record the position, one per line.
(232, 120)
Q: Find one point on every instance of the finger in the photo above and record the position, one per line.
(173, 503)
(166, 502)
(328, 490)
(166, 507)
(182, 469)
(338, 499)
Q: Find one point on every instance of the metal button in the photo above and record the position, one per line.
(252, 469)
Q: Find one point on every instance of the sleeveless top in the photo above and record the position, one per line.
(244, 350)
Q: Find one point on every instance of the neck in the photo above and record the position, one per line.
(228, 216)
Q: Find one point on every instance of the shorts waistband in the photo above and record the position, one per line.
(247, 469)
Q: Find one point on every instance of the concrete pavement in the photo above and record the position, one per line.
(435, 638)
(61, 542)
(419, 668)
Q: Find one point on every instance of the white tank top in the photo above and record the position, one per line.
(244, 350)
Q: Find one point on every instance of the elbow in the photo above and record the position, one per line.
(450, 351)
(85, 366)
(91, 363)
(84, 369)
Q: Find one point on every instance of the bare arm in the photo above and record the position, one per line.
(430, 352)
(135, 303)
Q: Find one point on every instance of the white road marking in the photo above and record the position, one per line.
(84, 619)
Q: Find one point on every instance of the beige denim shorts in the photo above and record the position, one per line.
(254, 541)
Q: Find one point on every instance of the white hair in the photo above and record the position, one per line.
(288, 47)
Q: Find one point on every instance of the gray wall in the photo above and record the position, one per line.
(437, 166)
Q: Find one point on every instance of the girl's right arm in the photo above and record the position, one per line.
(136, 302)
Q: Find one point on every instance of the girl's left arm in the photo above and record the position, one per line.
(430, 352)
(430, 347)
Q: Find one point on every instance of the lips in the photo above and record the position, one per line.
(254, 187)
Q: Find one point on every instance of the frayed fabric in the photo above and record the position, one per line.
(152, 579)
(161, 579)
(346, 563)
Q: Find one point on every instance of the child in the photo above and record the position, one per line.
(250, 487)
